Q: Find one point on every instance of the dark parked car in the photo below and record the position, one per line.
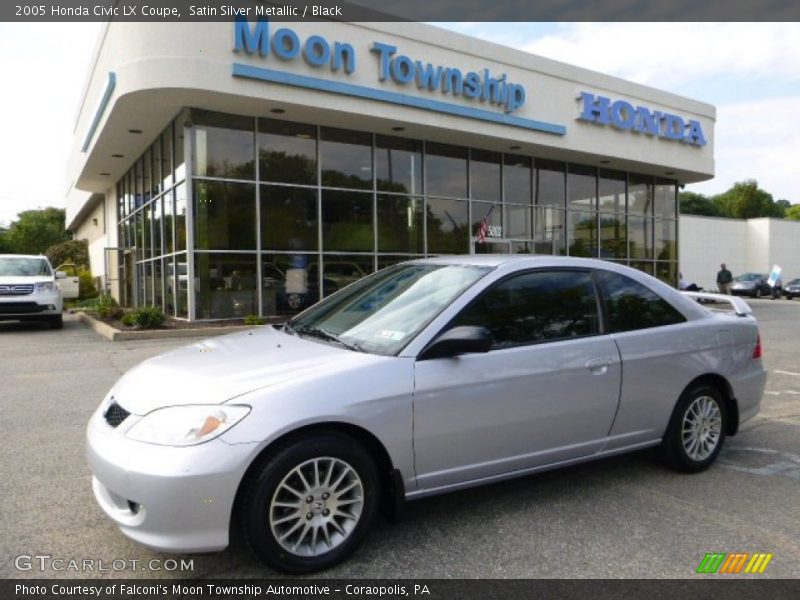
(751, 284)
(792, 289)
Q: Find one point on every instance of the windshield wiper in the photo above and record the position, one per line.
(323, 334)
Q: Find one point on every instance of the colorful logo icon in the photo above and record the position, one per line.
(733, 563)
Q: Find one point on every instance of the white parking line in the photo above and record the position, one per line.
(787, 373)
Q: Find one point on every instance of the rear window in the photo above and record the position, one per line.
(632, 306)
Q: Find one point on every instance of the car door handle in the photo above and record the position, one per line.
(599, 365)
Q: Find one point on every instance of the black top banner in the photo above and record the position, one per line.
(400, 10)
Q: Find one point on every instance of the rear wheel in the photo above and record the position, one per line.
(757, 293)
(696, 430)
(311, 504)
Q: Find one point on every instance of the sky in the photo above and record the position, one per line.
(749, 71)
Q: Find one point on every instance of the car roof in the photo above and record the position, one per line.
(514, 260)
(23, 256)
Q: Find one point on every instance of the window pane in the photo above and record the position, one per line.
(157, 228)
(665, 198)
(493, 213)
(551, 184)
(631, 305)
(287, 152)
(536, 307)
(180, 163)
(169, 223)
(448, 230)
(223, 145)
(226, 285)
(640, 195)
(582, 229)
(155, 186)
(400, 226)
(640, 242)
(550, 235)
(398, 164)
(147, 232)
(345, 158)
(182, 276)
(517, 222)
(158, 284)
(645, 266)
(166, 158)
(225, 215)
(287, 287)
(288, 218)
(581, 187)
(146, 177)
(517, 185)
(484, 175)
(170, 281)
(611, 186)
(446, 170)
(347, 221)
(668, 273)
(180, 217)
(139, 183)
(612, 236)
(666, 240)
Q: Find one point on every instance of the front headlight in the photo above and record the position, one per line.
(186, 425)
(47, 286)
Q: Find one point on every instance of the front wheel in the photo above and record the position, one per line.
(311, 504)
(696, 430)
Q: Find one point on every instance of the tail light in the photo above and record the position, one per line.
(757, 349)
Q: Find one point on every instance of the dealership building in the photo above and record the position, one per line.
(233, 168)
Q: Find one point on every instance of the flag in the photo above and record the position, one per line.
(483, 230)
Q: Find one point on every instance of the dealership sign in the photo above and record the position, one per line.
(479, 87)
(639, 119)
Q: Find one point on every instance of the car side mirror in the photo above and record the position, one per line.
(61, 275)
(467, 339)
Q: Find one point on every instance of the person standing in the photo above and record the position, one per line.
(724, 278)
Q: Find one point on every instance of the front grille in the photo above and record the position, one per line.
(16, 290)
(19, 308)
(115, 414)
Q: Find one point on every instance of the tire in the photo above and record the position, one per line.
(757, 293)
(56, 322)
(316, 534)
(680, 451)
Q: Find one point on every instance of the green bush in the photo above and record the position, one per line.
(254, 320)
(108, 307)
(86, 285)
(146, 317)
(129, 319)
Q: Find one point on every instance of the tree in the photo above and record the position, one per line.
(692, 203)
(745, 200)
(73, 251)
(793, 212)
(35, 231)
(783, 205)
(5, 246)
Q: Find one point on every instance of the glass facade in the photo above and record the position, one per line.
(225, 216)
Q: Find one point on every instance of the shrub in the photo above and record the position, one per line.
(86, 285)
(146, 317)
(108, 307)
(254, 320)
(129, 319)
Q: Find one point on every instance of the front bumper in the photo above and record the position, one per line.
(170, 499)
(38, 304)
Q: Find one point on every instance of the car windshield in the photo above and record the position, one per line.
(17, 266)
(749, 277)
(382, 313)
(794, 282)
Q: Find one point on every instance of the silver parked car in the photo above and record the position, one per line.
(430, 376)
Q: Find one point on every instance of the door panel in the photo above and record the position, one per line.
(479, 415)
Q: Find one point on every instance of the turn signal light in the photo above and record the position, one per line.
(757, 349)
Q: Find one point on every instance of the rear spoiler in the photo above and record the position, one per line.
(740, 307)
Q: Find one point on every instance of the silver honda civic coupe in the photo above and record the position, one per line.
(426, 377)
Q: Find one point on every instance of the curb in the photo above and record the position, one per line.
(115, 335)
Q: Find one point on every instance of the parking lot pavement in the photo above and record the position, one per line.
(622, 517)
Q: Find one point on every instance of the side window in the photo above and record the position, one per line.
(534, 307)
(631, 305)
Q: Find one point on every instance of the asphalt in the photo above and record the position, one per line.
(617, 518)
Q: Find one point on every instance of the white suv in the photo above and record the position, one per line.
(28, 290)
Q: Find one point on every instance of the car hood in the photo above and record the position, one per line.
(220, 369)
(22, 279)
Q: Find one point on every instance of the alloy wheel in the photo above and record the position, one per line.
(701, 429)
